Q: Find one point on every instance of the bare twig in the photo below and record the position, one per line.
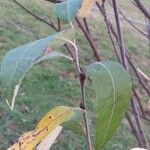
(90, 39)
(86, 25)
(82, 78)
(136, 28)
(141, 6)
(120, 37)
(108, 24)
(124, 63)
(51, 24)
(147, 90)
(143, 74)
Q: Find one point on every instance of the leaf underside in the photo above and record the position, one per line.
(112, 86)
(67, 10)
(18, 61)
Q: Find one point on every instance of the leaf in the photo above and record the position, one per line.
(112, 86)
(85, 8)
(47, 143)
(67, 10)
(18, 61)
(48, 123)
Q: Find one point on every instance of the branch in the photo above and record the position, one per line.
(137, 29)
(124, 63)
(51, 24)
(90, 39)
(82, 78)
(107, 21)
(120, 36)
(141, 6)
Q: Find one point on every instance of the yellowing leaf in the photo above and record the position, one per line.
(47, 124)
(85, 8)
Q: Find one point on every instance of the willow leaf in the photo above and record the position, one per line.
(67, 10)
(47, 124)
(18, 61)
(112, 86)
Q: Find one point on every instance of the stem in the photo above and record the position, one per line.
(51, 24)
(82, 78)
(141, 6)
(138, 121)
(90, 39)
(124, 63)
(120, 36)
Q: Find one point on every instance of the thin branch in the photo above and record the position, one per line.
(82, 78)
(139, 126)
(141, 6)
(133, 128)
(86, 25)
(147, 90)
(137, 75)
(90, 39)
(143, 74)
(120, 36)
(138, 100)
(124, 63)
(51, 24)
(136, 28)
(108, 24)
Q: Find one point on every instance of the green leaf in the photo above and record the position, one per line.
(112, 86)
(67, 10)
(18, 61)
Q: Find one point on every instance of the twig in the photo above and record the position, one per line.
(141, 6)
(51, 24)
(137, 75)
(108, 24)
(138, 100)
(147, 90)
(133, 128)
(120, 37)
(138, 121)
(124, 63)
(82, 78)
(136, 28)
(90, 39)
(86, 25)
(143, 74)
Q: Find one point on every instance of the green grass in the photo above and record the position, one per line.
(50, 84)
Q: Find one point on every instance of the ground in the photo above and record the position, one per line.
(54, 83)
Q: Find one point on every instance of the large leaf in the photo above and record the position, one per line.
(18, 61)
(112, 86)
(48, 123)
(67, 10)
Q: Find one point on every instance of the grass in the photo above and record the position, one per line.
(54, 83)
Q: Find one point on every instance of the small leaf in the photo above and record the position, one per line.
(48, 123)
(67, 10)
(18, 61)
(112, 86)
(85, 8)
